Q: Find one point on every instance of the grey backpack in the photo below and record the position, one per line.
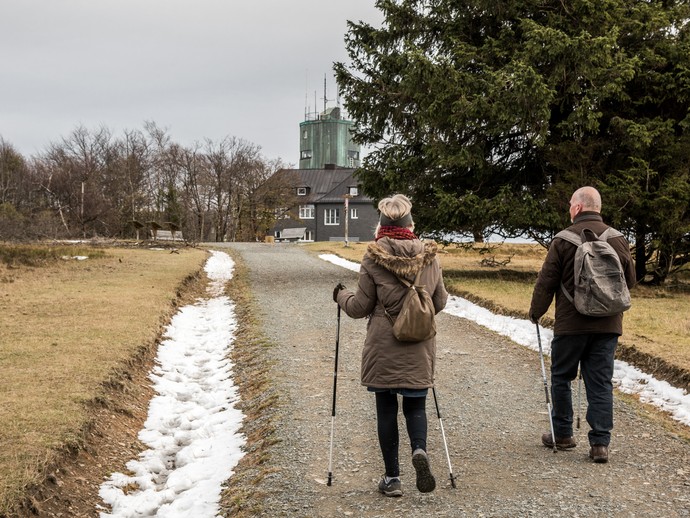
(600, 287)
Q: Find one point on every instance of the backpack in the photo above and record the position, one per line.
(415, 322)
(600, 287)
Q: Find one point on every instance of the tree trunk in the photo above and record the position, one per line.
(640, 257)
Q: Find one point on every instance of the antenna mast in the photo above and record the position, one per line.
(325, 97)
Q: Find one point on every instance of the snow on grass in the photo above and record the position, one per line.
(192, 425)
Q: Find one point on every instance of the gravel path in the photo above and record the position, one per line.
(492, 402)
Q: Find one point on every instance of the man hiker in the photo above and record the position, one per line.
(589, 341)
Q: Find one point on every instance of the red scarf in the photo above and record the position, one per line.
(395, 233)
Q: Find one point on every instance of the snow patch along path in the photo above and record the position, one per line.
(626, 378)
(192, 425)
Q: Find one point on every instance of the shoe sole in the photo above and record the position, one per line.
(394, 493)
(600, 460)
(426, 482)
(559, 446)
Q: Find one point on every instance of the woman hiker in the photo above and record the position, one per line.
(391, 367)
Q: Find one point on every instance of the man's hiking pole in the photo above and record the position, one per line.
(443, 434)
(335, 382)
(546, 389)
(579, 398)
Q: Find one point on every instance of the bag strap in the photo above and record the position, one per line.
(610, 233)
(407, 285)
(569, 236)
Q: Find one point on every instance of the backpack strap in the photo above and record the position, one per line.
(609, 233)
(570, 237)
(407, 284)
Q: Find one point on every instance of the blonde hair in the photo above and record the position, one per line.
(395, 208)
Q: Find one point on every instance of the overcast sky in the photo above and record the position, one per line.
(199, 68)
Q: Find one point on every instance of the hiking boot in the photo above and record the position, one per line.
(391, 488)
(562, 443)
(599, 453)
(426, 482)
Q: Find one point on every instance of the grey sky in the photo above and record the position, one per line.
(200, 68)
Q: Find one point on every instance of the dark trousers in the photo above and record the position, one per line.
(594, 353)
(387, 426)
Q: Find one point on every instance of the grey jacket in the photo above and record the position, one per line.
(386, 362)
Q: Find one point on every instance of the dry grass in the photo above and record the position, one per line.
(657, 324)
(66, 328)
(259, 399)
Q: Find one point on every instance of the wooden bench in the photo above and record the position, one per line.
(167, 235)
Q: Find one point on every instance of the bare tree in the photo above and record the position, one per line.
(13, 188)
(263, 192)
(197, 192)
(126, 178)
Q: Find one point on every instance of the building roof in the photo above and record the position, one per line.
(328, 185)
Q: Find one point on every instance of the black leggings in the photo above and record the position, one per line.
(387, 425)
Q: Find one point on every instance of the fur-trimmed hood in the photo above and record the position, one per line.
(404, 258)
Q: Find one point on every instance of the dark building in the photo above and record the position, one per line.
(330, 207)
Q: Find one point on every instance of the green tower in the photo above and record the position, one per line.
(327, 139)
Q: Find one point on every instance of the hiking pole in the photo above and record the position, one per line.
(335, 382)
(579, 398)
(443, 434)
(546, 389)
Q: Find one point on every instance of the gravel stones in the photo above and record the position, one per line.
(491, 397)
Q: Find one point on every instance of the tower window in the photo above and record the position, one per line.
(306, 153)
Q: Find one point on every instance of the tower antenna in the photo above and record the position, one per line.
(325, 97)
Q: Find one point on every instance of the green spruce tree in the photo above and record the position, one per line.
(490, 113)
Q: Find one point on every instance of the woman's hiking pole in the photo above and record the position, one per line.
(546, 389)
(335, 382)
(579, 398)
(443, 434)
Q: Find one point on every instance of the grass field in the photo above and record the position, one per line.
(68, 326)
(658, 323)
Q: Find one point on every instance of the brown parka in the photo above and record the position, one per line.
(558, 268)
(387, 362)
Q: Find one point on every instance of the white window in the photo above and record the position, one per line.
(305, 154)
(301, 191)
(306, 212)
(304, 135)
(353, 191)
(331, 217)
(353, 154)
(308, 236)
(353, 214)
